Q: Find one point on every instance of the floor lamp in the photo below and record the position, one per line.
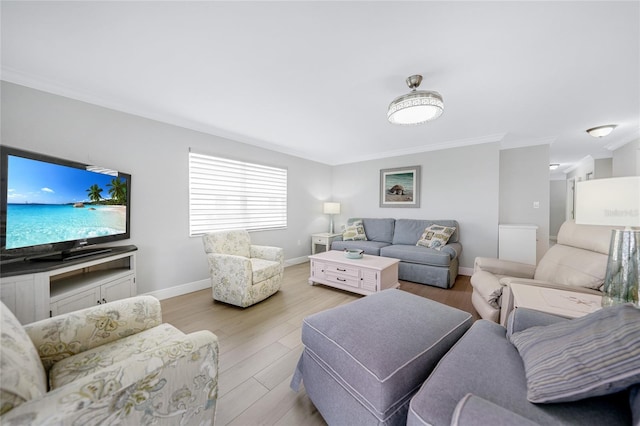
(331, 209)
(615, 202)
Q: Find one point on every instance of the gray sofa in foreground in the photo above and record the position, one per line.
(482, 380)
(396, 359)
(397, 238)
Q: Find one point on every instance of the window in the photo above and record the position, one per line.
(228, 194)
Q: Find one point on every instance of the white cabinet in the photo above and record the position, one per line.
(38, 290)
(517, 243)
(109, 291)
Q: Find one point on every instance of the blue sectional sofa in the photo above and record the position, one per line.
(397, 238)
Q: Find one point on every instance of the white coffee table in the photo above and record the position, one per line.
(368, 275)
(568, 304)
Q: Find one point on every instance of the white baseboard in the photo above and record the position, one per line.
(296, 261)
(179, 290)
(465, 271)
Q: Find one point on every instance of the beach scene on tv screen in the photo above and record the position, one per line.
(49, 203)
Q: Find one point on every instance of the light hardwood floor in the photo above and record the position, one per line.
(260, 345)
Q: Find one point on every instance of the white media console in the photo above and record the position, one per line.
(35, 290)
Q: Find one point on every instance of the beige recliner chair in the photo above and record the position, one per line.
(242, 274)
(578, 261)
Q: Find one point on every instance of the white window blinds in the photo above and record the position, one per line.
(228, 194)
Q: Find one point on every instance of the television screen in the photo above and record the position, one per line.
(54, 204)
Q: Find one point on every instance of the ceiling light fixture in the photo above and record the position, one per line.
(554, 166)
(600, 131)
(416, 107)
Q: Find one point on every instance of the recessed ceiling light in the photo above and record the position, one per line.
(600, 131)
(553, 166)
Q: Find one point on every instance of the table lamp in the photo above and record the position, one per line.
(331, 209)
(615, 202)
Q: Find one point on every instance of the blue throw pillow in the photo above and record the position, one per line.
(597, 354)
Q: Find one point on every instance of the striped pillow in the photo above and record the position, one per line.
(597, 354)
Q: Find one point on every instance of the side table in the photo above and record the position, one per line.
(565, 303)
(322, 239)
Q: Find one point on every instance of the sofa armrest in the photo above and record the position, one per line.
(68, 334)
(173, 385)
(275, 254)
(235, 269)
(454, 249)
(505, 281)
(475, 411)
(523, 318)
(504, 267)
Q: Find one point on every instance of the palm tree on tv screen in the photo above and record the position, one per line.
(95, 193)
(118, 191)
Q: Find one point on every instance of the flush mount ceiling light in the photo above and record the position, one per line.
(600, 131)
(554, 166)
(416, 107)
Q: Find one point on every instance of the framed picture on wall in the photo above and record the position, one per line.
(400, 187)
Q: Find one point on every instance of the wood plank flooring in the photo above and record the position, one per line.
(260, 345)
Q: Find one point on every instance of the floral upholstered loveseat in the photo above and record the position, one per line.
(114, 363)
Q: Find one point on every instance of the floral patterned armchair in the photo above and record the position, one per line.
(242, 274)
(114, 363)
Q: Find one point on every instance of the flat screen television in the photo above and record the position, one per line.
(57, 209)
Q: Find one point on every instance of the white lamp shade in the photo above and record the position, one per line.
(331, 208)
(611, 202)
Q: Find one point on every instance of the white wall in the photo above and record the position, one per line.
(524, 180)
(156, 155)
(626, 160)
(557, 206)
(458, 183)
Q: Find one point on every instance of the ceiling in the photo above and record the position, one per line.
(314, 79)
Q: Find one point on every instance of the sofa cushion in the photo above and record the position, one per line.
(417, 254)
(573, 267)
(163, 338)
(483, 362)
(409, 231)
(473, 410)
(369, 247)
(589, 356)
(354, 232)
(379, 229)
(436, 236)
(264, 269)
(587, 237)
(23, 376)
(236, 242)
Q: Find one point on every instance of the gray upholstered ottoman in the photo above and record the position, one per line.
(363, 361)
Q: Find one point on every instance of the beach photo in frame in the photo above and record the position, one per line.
(400, 187)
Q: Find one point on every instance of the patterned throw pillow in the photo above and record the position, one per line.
(594, 355)
(354, 232)
(23, 376)
(436, 236)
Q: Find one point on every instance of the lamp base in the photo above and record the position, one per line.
(623, 268)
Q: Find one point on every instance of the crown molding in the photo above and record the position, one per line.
(634, 135)
(426, 148)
